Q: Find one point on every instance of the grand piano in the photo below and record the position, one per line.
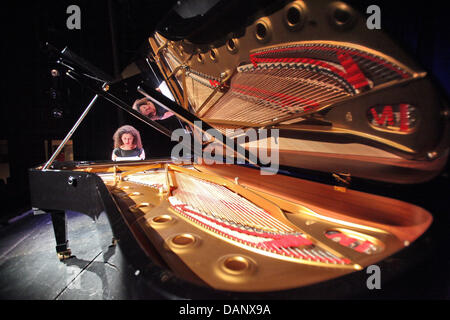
(288, 110)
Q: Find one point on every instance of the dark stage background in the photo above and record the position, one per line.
(112, 34)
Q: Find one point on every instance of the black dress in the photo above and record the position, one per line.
(136, 152)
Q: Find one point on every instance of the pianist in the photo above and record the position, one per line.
(127, 144)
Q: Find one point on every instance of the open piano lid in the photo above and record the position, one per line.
(345, 98)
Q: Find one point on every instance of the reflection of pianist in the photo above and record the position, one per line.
(148, 109)
(127, 144)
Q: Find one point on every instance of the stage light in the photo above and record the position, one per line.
(57, 113)
(54, 73)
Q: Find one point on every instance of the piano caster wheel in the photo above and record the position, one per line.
(64, 255)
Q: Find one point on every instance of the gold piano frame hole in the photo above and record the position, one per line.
(237, 265)
(139, 206)
(162, 219)
(263, 30)
(122, 190)
(183, 240)
(233, 46)
(134, 194)
(214, 55)
(341, 15)
(295, 15)
(200, 58)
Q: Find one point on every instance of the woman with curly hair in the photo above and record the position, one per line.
(127, 144)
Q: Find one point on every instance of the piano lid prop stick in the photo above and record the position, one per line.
(69, 135)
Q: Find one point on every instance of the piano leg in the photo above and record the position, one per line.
(60, 229)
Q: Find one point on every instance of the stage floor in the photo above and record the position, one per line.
(31, 270)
